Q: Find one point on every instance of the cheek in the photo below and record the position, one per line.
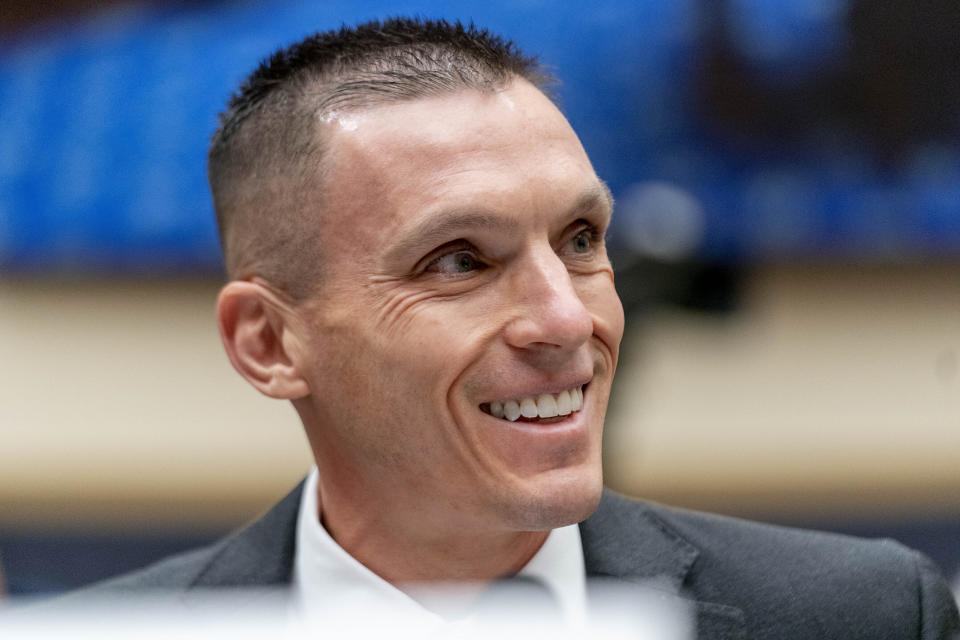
(370, 396)
(599, 296)
(433, 334)
(401, 366)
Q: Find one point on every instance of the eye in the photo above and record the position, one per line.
(582, 242)
(458, 261)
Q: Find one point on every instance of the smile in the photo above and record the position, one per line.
(545, 405)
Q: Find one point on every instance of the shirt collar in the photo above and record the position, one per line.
(325, 573)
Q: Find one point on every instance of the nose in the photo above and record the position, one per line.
(551, 316)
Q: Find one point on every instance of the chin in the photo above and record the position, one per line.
(555, 499)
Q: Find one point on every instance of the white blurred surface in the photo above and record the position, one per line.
(628, 612)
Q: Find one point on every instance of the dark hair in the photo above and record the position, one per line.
(266, 157)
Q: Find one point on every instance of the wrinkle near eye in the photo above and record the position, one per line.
(398, 301)
(398, 309)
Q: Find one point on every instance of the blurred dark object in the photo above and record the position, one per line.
(893, 83)
(20, 15)
(700, 286)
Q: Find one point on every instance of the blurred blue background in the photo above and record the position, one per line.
(727, 130)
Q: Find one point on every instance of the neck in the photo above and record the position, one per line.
(404, 547)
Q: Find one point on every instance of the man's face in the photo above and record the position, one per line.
(464, 271)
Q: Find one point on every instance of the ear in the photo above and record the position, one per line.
(257, 333)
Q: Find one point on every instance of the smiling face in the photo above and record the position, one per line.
(466, 309)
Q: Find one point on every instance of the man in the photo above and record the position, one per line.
(415, 243)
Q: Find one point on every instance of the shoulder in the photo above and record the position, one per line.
(727, 542)
(804, 579)
(176, 572)
(164, 582)
(259, 555)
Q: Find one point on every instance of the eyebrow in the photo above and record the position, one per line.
(436, 230)
(594, 196)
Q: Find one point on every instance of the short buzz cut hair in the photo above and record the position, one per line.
(266, 159)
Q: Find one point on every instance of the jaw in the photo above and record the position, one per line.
(540, 473)
(553, 499)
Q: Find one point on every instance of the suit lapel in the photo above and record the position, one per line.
(625, 540)
(261, 554)
(622, 540)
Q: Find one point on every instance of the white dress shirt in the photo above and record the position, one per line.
(328, 581)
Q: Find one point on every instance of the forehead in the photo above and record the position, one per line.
(505, 152)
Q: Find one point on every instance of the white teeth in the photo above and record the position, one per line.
(546, 405)
(511, 410)
(528, 408)
(564, 404)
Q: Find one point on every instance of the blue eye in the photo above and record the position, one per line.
(455, 262)
(583, 241)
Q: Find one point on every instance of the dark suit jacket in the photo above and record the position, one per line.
(744, 579)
